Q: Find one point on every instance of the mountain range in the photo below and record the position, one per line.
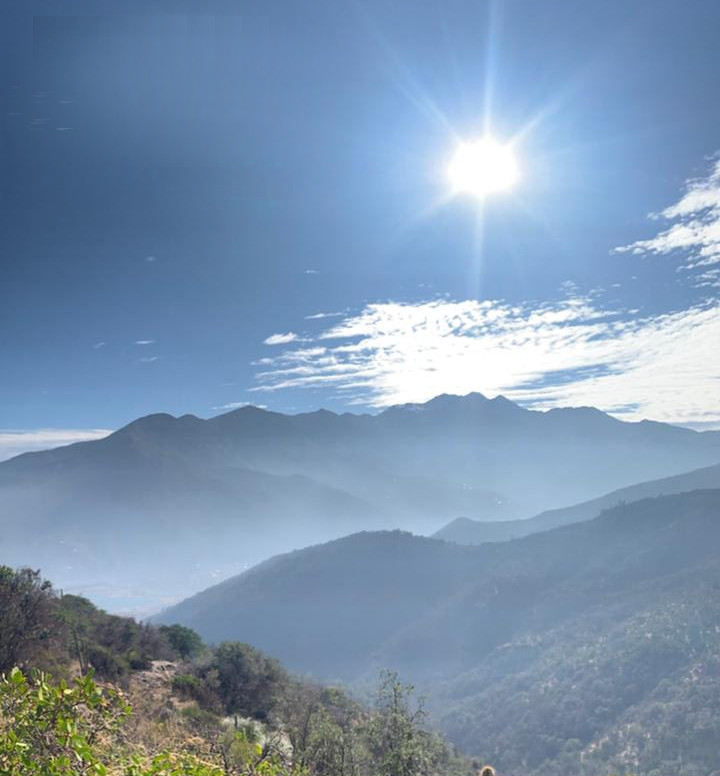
(590, 648)
(463, 530)
(166, 505)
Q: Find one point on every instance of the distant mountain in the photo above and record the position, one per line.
(133, 526)
(463, 530)
(183, 501)
(591, 648)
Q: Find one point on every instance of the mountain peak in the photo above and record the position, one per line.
(442, 401)
(475, 397)
(246, 409)
(157, 421)
(320, 413)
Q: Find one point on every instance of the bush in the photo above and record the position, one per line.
(49, 729)
(26, 616)
(185, 641)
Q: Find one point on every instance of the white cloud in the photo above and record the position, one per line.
(99, 345)
(15, 442)
(569, 352)
(694, 228)
(144, 342)
(281, 339)
(566, 352)
(320, 316)
(148, 359)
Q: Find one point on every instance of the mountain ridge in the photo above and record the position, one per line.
(463, 530)
(566, 651)
(251, 483)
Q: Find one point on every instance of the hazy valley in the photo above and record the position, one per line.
(164, 506)
(581, 639)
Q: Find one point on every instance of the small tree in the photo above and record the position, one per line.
(185, 641)
(248, 681)
(398, 744)
(26, 615)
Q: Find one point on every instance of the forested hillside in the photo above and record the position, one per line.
(609, 628)
(128, 699)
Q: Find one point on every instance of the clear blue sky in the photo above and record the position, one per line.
(200, 176)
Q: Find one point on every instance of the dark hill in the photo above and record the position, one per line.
(544, 653)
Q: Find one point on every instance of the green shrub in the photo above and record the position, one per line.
(49, 729)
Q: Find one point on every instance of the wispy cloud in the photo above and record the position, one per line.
(99, 345)
(15, 442)
(144, 342)
(320, 316)
(148, 359)
(693, 229)
(281, 339)
(569, 352)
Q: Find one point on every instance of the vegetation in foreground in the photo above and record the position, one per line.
(84, 693)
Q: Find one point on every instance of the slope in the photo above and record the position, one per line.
(561, 652)
(183, 501)
(463, 530)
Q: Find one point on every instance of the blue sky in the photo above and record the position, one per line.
(211, 203)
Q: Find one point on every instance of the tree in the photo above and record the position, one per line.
(324, 730)
(398, 744)
(26, 615)
(248, 681)
(185, 641)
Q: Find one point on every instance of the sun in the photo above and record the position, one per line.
(482, 167)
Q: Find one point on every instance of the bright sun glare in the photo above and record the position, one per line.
(482, 167)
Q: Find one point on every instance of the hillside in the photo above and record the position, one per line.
(84, 692)
(463, 530)
(240, 487)
(590, 626)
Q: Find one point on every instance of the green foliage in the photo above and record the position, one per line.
(25, 616)
(247, 682)
(42, 629)
(167, 764)
(188, 686)
(52, 728)
(49, 729)
(57, 729)
(325, 729)
(399, 744)
(282, 726)
(201, 720)
(243, 754)
(185, 641)
(109, 644)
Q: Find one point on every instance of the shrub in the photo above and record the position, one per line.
(49, 729)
